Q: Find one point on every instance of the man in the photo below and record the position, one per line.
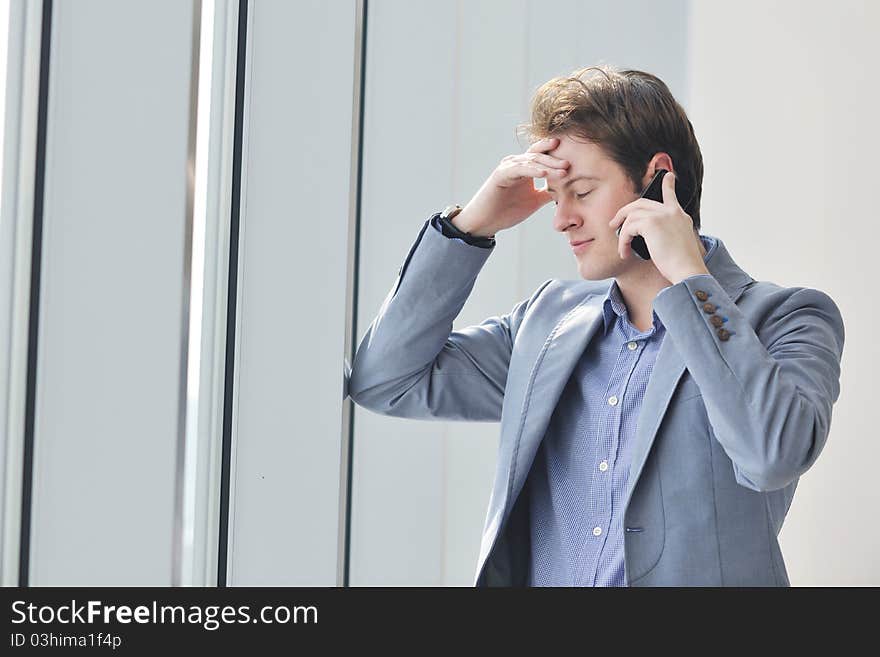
(653, 429)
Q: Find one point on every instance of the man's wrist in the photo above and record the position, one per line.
(466, 224)
(450, 230)
(691, 272)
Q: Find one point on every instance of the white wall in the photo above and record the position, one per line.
(784, 100)
(112, 290)
(292, 269)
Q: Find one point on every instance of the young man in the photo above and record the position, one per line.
(653, 429)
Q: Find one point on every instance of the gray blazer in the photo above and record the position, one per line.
(725, 430)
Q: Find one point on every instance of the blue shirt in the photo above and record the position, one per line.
(579, 475)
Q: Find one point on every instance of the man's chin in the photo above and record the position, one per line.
(594, 273)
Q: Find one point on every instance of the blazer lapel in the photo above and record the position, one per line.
(551, 372)
(668, 369)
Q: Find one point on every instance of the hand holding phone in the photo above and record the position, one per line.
(654, 192)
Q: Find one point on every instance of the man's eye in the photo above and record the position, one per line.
(555, 202)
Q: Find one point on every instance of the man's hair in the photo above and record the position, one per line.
(631, 115)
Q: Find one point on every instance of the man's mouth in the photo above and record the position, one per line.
(580, 245)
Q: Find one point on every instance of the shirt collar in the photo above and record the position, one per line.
(613, 305)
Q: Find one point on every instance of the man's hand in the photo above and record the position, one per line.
(668, 231)
(508, 196)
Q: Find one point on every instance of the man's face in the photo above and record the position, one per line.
(587, 218)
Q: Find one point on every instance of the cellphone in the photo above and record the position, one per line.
(654, 192)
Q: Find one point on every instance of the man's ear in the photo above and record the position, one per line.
(659, 161)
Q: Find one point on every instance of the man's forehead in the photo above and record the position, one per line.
(587, 154)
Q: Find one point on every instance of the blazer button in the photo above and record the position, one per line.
(709, 307)
(702, 296)
(723, 334)
(716, 321)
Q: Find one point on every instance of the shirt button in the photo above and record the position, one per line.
(632, 346)
(597, 531)
(603, 466)
(612, 400)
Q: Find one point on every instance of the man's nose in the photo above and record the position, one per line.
(565, 218)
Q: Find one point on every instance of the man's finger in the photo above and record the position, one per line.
(543, 145)
(639, 203)
(669, 189)
(623, 241)
(621, 214)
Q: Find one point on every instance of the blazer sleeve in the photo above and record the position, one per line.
(410, 363)
(768, 390)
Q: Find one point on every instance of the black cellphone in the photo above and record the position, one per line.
(654, 192)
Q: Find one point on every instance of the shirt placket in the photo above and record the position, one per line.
(607, 449)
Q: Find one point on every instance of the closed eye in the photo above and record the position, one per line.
(580, 196)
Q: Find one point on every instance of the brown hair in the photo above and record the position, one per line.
(631, 115)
